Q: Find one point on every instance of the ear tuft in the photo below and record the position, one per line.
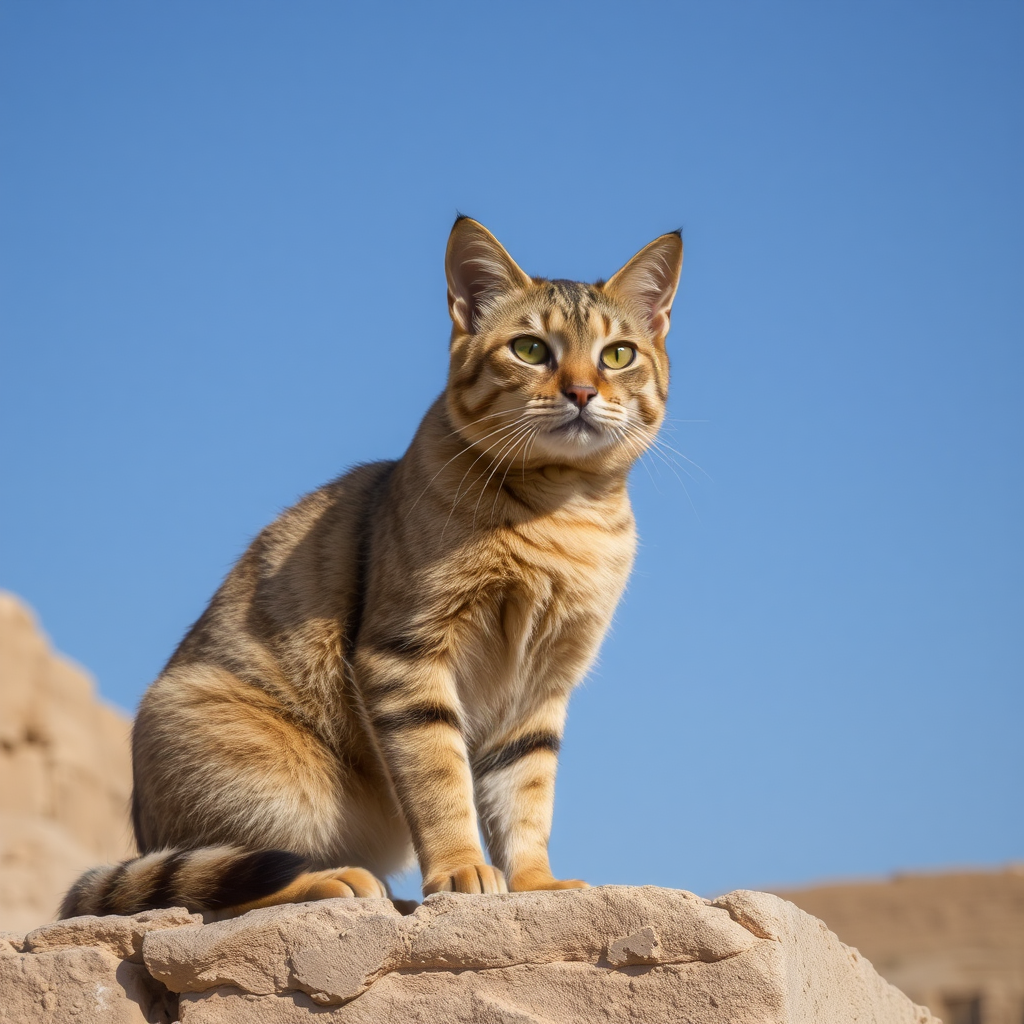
(478, 270)
(650, 279)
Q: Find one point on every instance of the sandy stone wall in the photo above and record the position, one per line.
(613, 953)
(954, 941)
(65, 773)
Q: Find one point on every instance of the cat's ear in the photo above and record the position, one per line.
(650, 279)
(478, 269)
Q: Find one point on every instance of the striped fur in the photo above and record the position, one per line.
(209, 879)
(385, 672)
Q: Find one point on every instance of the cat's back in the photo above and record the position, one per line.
(288, 606)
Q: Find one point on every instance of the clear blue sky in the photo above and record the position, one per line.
(222, 230)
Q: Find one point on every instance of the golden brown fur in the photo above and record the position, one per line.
(386, 670)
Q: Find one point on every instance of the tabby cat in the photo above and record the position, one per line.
(386, 669)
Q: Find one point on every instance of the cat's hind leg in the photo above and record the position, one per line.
(219, 762)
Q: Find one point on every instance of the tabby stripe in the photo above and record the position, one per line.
(484, 403)
(468, 378)
(446, 776)
(515, 751)
(660, 384)
(253, 876)
(415, 716)
(105, 903)
(510, 491)
(364, 530)
(388, 688)
(404, 645)
(163, 888)
(492, 348)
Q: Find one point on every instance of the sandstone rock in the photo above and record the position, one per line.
(121, 936)
(85, 985)
(65, 773)
(610, 953)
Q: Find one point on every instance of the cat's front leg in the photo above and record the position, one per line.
(515, 787)
(414, 713)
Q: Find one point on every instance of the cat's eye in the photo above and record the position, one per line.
(531, 350)
(616, 357)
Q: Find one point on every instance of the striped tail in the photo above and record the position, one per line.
(209, 879)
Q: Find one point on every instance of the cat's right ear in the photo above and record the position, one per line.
(478, 270)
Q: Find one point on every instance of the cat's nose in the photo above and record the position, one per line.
(579, 393)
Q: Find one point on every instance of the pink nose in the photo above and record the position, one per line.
(579, 393)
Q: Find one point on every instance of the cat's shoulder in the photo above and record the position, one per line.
(347, 494)
(336, 511)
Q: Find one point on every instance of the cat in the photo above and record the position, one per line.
(385, 671)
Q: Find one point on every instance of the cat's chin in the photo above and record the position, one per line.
(578, 431)
(575, 441)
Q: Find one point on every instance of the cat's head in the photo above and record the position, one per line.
(558, 372)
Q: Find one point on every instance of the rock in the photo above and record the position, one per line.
(65, 773)
(642, 947)
(609, 953)
(87, 985)
(121, 936)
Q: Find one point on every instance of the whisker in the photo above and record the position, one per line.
(638, 452)
(526, 440)
(509, 429)
(658, 441)
(462, 451)
(654, 448)
(497, 465)
(480, 419)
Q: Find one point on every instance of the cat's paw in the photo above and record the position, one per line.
(340, 882)
(536, 882)
(476, 878)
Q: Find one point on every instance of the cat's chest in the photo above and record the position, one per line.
(554, 585)
(564, 563)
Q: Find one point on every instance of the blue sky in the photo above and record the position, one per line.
(222, 283)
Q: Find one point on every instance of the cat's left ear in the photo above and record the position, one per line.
(650, 279)
(478, 270)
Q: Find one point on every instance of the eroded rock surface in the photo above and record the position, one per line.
(610, 953)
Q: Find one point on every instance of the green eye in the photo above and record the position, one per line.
(530, 350)
(615, 357)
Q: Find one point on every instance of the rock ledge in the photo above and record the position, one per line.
(610, 953)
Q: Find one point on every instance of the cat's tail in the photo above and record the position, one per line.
(210, 879)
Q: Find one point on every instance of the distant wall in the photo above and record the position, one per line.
(954, 941)
(65, 773)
